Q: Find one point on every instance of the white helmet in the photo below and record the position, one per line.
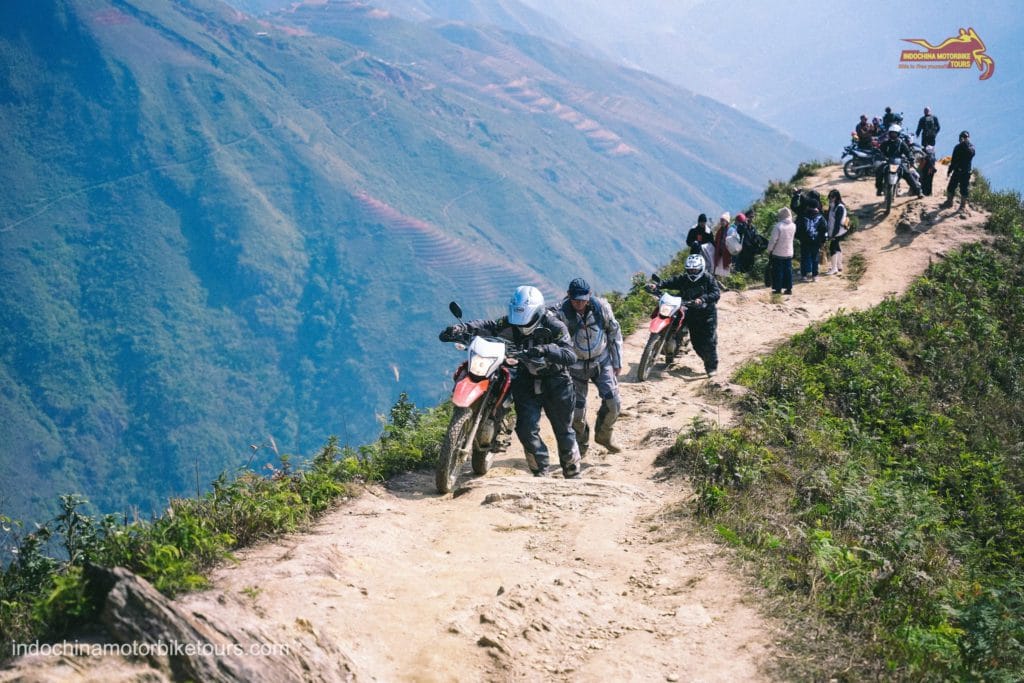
(895, 128)
(526, 309)
(694, 267)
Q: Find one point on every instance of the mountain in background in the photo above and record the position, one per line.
(810, 70)
(216, 228)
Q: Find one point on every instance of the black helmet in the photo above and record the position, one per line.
(964, 134)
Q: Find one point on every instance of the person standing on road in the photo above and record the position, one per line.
(542, 381)
(927, 127)
(836, 224)
(959, 171)
(780, 252)
(597, 339)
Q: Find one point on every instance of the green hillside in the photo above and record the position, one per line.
(216, 229)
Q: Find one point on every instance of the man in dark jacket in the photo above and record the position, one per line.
(541, 381)
(700, 288)
(597, 340)
(959, 171)
(927, 128)
(699, 235)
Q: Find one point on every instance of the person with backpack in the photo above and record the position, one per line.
(959, 171)
(927, 128)
(597, 340)
(836, 225)
(541, 383)
(810, 231)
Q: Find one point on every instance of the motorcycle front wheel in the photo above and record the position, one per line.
(457, 441)
(890, 192)
(482, 455)
(851, 171)
(649, 355)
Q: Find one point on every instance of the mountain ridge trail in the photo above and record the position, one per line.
(517, 578)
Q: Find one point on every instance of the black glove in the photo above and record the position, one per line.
(452, 333)
(535, 352)
(651, 287)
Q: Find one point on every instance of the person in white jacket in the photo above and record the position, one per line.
(780, 252)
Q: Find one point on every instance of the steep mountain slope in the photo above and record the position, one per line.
(211, 226)
(518, 578)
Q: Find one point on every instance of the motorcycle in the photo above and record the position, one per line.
(897, 169)
(666, 328)
(863, 162)
(482, 406)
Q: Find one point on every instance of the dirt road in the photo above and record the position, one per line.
(517, 578)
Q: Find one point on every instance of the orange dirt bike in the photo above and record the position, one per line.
(667, 331)
(482, 406)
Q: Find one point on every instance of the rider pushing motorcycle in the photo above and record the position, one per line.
(699, 287)
(597, 339)
(542, 381)
(895, 147)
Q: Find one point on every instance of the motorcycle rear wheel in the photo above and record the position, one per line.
(457, 441)
(650, 354)
(850, 171)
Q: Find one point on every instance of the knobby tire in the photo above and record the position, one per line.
(649, 356)
(449, 461)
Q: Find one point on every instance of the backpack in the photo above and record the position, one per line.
(808, 228)
(732, 241)
(753, 241)
(571, 320)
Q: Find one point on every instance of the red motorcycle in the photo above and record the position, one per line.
(482, 406)
(667, 331)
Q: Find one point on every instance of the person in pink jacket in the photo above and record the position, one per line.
(780, 252)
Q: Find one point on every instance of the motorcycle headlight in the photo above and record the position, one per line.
(666, 310)
(479, 365)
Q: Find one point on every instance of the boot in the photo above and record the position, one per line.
(604, 437)
(839, 262)
(582, 438)
(948, 204)
(833, 268)
(963, 205)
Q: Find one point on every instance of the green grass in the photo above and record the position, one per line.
(43, 593)
(875, 478)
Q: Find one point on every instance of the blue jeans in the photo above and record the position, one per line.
(809, 259)
(782, 273)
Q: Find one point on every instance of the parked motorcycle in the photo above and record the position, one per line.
(482, 406)
(862, 163)
(666, 323)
